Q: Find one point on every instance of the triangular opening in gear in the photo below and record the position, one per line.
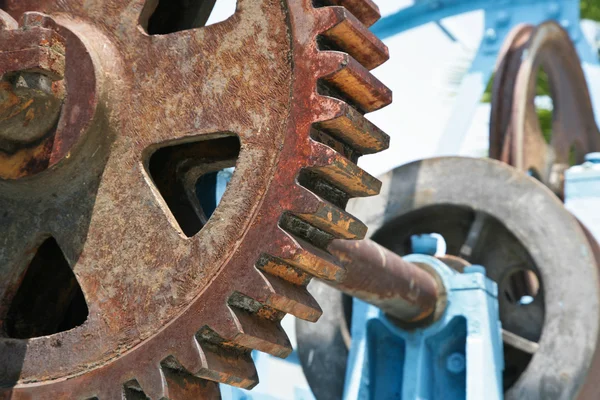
(49, 299)
(192, 177)
(133, 391)
(178, 15)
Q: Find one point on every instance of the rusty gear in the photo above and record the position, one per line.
(175, 300)
(515, 133)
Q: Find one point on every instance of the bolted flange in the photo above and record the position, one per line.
(32, 66)
(39, 123)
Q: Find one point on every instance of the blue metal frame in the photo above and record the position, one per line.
(458, 357)
(582, 193)
(500, 17)
(425, 11)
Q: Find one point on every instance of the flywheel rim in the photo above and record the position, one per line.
(516, 137)
(420, 184)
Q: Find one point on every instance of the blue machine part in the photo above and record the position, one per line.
(211, 187)
(424, 244)
(458, 357)
(432, 244)
(500, 18)
(582, 193)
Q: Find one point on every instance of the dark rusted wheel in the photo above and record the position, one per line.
(515, 133)
(153, 297)
(493, 215)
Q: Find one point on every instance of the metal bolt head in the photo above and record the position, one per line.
(32, 58)
(34, 81)
(456, 363)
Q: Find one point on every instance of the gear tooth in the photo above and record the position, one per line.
(345, 78)
(296, 301)
(366, 11)
(342, 172)
(281, 295)
(351, 127)
(227, 364)
(347, 34)
(152, 382)
(306, 257)
(278, 268)
(183, 386)
(327, 217)
(260, 333)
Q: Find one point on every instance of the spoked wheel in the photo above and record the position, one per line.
(516, 137)
(543, 261)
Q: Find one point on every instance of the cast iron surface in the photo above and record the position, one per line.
(515, 133)
(494, 215)
(171, 308)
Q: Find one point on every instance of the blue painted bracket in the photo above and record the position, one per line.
(500, 17)
(582, 193)
(458, 357)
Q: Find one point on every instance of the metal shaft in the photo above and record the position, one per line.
(382, 278)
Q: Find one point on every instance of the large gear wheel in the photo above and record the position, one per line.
(176, 300)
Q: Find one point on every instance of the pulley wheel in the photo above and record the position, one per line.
(516, 136)
(541, 258)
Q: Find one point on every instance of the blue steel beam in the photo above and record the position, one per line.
(459, 357)
(425, 11)
(500, 17)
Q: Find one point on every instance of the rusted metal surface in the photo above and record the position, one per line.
(515, 133)
(382, 278)
(40, 127)
(160, 301)
(32, 66)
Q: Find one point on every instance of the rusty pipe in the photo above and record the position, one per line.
(407, 291)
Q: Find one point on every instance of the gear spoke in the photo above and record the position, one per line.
(519, 342)
(223, 65)
(17, 252)
(475, 232)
